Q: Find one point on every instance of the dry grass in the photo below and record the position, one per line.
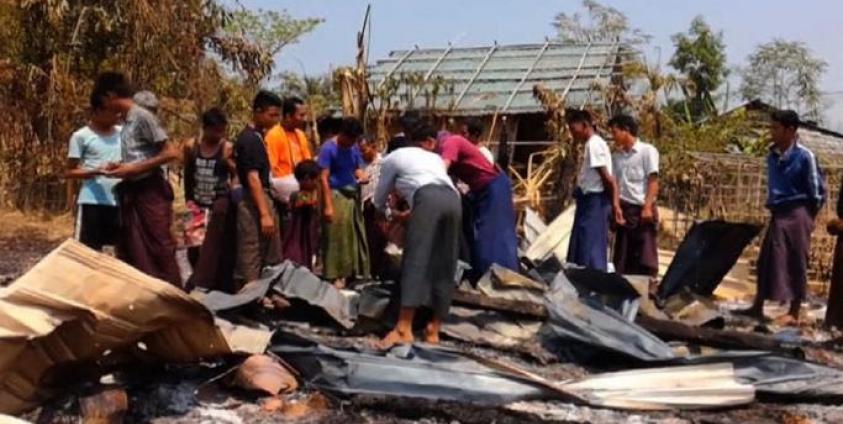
(45, 226)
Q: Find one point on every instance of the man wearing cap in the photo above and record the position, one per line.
(795, 194)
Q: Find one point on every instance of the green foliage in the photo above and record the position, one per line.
(701, 58)
(604, 24)
(53, 49)
(786, 75)
(268, 30)
(318, 91)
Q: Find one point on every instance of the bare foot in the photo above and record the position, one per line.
(787, 320)
(393, 338)
(431, 335)
(339, 283)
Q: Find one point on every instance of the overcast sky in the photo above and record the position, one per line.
(400, 24)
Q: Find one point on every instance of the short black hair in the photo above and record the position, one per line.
(409, 120)
(328, 126)
(214, 117)
(307, 169)
(110, 83)
(626, 123)
(265, 99)
(351, 127)
(788, 118)
(421, 132)
(474, 127)
(577, 115)
(290, 105)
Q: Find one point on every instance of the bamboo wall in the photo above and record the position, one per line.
(734, 188)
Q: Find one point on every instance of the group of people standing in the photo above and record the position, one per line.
(619, 191)
(615, 192)
(268, 197)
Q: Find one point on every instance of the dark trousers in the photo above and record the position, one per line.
(213, 262)
(98, 225)
(429, 263)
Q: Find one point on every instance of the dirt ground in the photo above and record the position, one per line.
(24, 239)
(178, 395)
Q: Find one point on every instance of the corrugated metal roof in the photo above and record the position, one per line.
(480, 80)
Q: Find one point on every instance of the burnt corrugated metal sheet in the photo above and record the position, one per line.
(481, 80)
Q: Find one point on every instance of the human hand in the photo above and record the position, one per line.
(619, 219)
(647, 215)
(122, 170)
(267, 225)
(328, 214)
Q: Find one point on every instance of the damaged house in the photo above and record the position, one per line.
(495, 83)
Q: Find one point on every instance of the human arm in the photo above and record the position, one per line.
(815, 183)
(648, 212)
(230, 163)
(651, 169)
(386, 182)
(611, 187)
(76, 172)
(151, 131)
(256, 191)
(450, 152)
(168, 153)
(188, 171)
(327, 199)
(74, 161)
(360, 174)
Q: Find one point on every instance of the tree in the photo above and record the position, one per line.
(270, 31)
(52, 51)
(318, 91)
(786, 75)
(701, 58)
(604, 24)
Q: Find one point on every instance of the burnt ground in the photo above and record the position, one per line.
(24, 239)
(170, 395)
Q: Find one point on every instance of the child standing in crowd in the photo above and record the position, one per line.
(208, 170)
(301, 236)
(345, 251)
(145, 196)
(376, 224)
(258, 238)
(91, 149)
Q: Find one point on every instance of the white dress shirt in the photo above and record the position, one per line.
(633, 169)
(407, 170)
(596, 155)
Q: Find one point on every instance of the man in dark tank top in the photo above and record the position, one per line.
(209, 234)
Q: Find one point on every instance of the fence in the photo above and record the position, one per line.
(734, 188)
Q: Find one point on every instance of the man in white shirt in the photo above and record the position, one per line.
(636, 166)
(432, 239)
(596, 196)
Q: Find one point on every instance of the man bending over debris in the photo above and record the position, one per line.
(258, 238)
(795, 194)
(636, 165)
(596, 193)
(490, 231)
(145, 196)
(432, 239)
